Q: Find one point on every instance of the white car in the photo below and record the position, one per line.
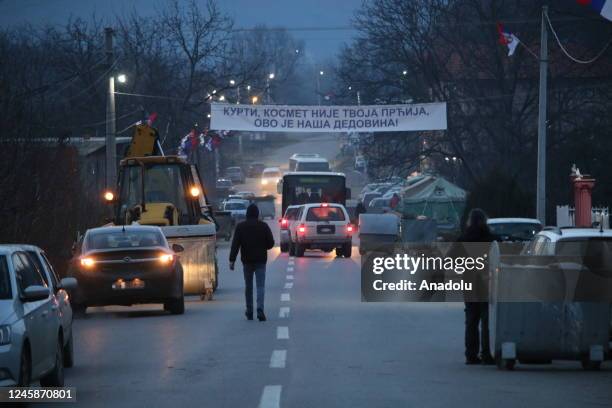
(237, 208)
(286, 223)
(270, 177)
(323, 226)
(514, 229)
(32, 342)
(565, 241)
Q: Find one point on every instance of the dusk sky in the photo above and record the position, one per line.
(333, 16)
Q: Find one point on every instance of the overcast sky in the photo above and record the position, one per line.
(292, 14)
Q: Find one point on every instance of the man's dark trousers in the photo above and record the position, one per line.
(259, 270)
(476, 313)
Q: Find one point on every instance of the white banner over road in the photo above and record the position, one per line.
(289, 118)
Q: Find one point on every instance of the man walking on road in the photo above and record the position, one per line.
(252, 238)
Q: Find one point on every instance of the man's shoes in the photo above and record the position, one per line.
(260, 315)
(249, 315)
(488, 360)
(473, 361)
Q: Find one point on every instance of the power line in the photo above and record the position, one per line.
(579, 61)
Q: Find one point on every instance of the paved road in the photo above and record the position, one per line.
(321, 347)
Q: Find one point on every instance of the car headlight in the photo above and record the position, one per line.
(264, 182)
(5, 335)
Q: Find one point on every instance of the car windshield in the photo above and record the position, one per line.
(224, 183)
(235, 206)
(515, 231)
(271, 174)
(5, 280)
(128, 238)
(325, 214)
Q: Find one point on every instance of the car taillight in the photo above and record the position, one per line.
(302, 229)
(166, 258)
(87, 262)
(284, 223)
(350, 229)
(324, 205)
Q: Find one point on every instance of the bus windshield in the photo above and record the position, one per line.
(312, 166)
(303, 189)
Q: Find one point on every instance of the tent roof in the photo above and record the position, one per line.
(436, 189)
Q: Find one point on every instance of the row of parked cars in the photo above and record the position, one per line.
(111, 266)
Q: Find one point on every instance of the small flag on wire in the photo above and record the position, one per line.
(508, 39)
(603, 7)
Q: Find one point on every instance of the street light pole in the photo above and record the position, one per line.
(111, 127)
(541, 172)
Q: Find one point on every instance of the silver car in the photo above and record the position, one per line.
(32, 342)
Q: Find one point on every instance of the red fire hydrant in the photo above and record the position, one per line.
(583, 186)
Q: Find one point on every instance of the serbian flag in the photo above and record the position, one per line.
(603, 7)
(508, 39)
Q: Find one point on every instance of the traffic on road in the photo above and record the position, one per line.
(298, 204)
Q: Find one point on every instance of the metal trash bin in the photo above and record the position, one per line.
(538, 330)
(266, 206)
(378, 232)
(200, 271)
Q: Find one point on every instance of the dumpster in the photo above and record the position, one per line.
(377, 231)
(198, 259)
(533, 317)
(225, 224)
(266, 206)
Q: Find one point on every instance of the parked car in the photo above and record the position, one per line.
(237, 209)
(322, 226)
(379, 205)
(367, 197)
(235, 174)
(224, 187)
(127, 265)
(286, 223)
(245, 195)
(255, 169)
(514, 229)
(32, 342)
(60, 289)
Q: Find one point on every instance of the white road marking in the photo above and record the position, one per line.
(285, 297)
(290, 269)
(292, 259)
(270, 397)
(282, 333)
(288, 285)
(278, 359)
(289, 277)
(284, 312)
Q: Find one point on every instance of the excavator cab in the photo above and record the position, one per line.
(162, 191)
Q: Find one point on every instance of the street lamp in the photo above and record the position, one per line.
(404, 72)
(111, 130)
(254, 99)
(232, 82)
(271, 76)
(222, 98)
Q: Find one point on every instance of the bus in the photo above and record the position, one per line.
(313, 187)
(293, 160)
(312, 164)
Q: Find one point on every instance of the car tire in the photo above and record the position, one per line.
(300, 249)
(339, 252)
(347, 250)
(291, 249)
(69, 353)
(284, 248)
(55, 378)
(25, 367)
(175, 306)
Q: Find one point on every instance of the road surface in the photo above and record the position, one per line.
(321, 347)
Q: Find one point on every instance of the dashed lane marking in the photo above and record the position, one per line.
(288, 285)
(284, 312)
(270, 397)
(290, 269)
(285, 297)
(278, 359)
(282, 333)
(289, 277)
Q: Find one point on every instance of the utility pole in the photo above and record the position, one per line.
(541, 176)
(111, 149)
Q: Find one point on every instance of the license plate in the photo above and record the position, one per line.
(131, 284)
(326, 230)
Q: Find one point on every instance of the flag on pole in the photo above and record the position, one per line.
(603, 7)
(508, 39)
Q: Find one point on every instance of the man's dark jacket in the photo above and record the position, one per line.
(253, 238)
